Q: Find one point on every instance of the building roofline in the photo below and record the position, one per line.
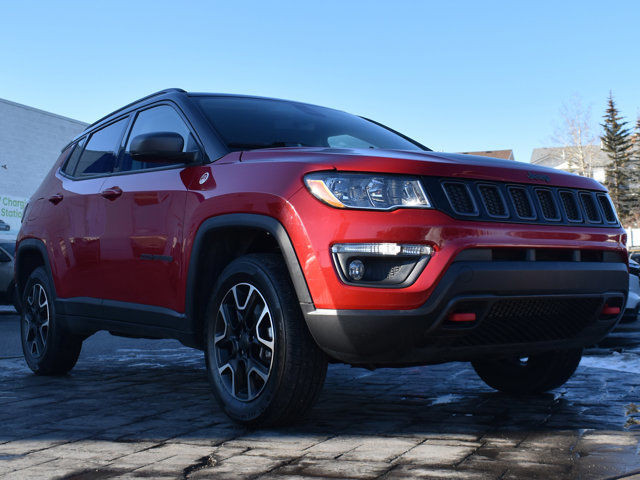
(44, 112)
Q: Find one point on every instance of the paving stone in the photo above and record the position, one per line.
(239, 466)
(412, 471)
(380, 449)
(336, 468)
(333, 447)
(428, 454)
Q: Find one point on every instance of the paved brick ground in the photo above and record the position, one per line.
(149, 414)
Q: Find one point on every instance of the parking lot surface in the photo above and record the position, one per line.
(144, 410)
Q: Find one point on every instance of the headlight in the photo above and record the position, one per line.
(367, 190)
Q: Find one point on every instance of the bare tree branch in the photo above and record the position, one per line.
(576, 134)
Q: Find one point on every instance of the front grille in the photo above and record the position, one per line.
(460, 198)
(590, 207)
(492, 200)
(607, 208)
(519, 203)
(570, 206)
(532, 320)
(547, 204)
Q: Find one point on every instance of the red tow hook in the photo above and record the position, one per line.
(610, 310)
(462, 317)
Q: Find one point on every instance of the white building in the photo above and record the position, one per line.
(30, 142)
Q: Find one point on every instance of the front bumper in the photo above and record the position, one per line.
(521, 307)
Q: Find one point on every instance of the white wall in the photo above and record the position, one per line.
(30, 142)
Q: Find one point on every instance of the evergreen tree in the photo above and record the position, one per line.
(635, 167)
(636, 147)
(620, 176)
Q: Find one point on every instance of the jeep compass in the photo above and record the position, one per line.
(278, 236)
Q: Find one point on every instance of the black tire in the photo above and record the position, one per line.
(47, 347)
(537, 374)
(239, 326)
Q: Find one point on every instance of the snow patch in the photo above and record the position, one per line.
(621, 362)
(449, 398)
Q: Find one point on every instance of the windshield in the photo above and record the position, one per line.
(250, 123)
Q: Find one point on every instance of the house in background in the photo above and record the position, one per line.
(567, 159)
(503, 154)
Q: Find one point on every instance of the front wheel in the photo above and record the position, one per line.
(529, 375)
(262, 363)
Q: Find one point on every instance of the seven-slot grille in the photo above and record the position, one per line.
(520, 203)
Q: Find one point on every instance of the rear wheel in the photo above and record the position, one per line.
(529, 375)
(47, 347)
(263, 365)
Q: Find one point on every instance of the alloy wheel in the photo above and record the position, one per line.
(36, 321)
(244, 341)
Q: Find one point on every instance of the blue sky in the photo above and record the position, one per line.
(456, 76)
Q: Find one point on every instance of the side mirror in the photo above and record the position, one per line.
(160, 147)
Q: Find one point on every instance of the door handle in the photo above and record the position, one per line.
(111, 193)
(56, 199)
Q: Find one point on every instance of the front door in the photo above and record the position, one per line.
(141, 248)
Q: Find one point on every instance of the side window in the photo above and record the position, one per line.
(157, 119)
(71, 164)
(99, 156)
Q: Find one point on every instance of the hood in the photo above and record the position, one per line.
(453, 165)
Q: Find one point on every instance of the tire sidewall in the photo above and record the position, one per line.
(246, 271)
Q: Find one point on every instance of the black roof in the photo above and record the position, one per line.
(161, 92)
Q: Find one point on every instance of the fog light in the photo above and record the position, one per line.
(356, 270)
(392, 265)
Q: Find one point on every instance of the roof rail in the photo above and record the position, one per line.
(161, 92)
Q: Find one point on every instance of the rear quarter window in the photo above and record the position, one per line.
(99, 155)
(70, 165)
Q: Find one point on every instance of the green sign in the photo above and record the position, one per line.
(11, 210)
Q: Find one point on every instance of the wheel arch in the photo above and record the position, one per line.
(205, 263)
(31, 254)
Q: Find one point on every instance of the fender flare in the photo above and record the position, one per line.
(257, 221)
(33, 244)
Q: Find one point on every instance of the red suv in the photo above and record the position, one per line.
(277, 236)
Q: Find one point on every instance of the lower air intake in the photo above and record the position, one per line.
(533, 320)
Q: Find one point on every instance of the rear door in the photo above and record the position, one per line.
(142, 243)
(79, 212)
